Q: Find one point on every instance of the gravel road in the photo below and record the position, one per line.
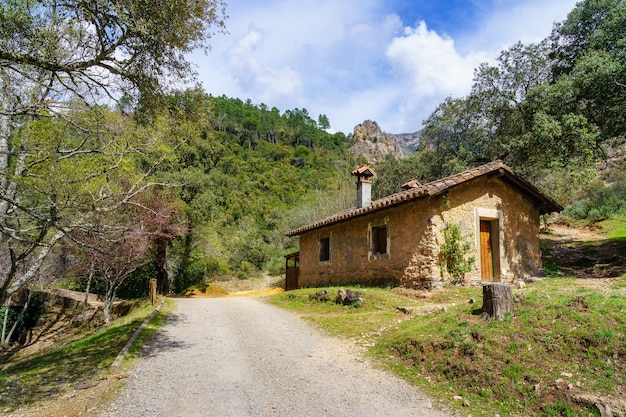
(245, 357)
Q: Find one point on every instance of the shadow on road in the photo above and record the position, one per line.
(161, 341)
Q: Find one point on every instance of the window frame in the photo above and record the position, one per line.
(324, 249)
(375, 240)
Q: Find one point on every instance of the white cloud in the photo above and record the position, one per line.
(428, 68)
(428, 62)
(351, 61)
(528, 21)
(257, 78)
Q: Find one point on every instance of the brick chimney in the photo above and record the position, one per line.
(364, 175)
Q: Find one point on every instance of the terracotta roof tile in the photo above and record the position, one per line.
(544, 203)
(364, 170)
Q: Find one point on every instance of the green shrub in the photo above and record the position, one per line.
(137, 284)
(454, 251)
(216, 266)
(600, 201)
(188, 275)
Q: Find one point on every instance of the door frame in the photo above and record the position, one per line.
(292, 271)
(495, 218)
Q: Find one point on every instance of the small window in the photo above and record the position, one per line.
(324, 249)
(379, 240)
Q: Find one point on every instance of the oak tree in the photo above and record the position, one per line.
(56, 57)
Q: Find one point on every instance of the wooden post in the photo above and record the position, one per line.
(153, 290)
(497, 301)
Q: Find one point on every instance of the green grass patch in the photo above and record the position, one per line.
(615, 226)
(508, 367)
(64, 366)
(378, 310)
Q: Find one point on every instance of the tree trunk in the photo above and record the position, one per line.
(6, 337)
(109, 296)
(497, 301)
(86, 300)
(17, 320)
(5, 322)
(161, 258)
(31, 272)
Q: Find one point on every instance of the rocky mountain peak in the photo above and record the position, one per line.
(374, 144)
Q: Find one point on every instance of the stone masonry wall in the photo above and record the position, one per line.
(415, 233)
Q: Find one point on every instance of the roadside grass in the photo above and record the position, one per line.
(68, 365)
(148, 331)
(563, 328)
(346, 321)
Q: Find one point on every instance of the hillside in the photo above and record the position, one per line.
(248, 174)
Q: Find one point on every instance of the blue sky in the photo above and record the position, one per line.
(388, 61)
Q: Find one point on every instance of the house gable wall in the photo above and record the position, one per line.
(415, 234)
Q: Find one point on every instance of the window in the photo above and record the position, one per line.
(379, 240)
(325, 249)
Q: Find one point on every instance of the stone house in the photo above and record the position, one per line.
(396, 240)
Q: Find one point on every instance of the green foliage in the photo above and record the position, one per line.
(137, 284)
(189, 274)
(543, 108)
(393, 173)
(293, 127)
(589, 55)
(276, 266)
(70, 156)
(245, 171)
(323, 122)
(454, 252)
(600, 201)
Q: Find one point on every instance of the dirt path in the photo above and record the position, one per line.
(584, 253)
(244, 357)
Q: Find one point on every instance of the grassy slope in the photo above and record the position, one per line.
(71, 363)
(564, 328)
(615, 227)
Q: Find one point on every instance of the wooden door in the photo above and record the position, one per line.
(486, 251)
(291, 282)
(292, 271)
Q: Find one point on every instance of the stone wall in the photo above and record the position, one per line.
(423, 270)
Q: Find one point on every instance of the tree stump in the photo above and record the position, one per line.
(497, 301)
